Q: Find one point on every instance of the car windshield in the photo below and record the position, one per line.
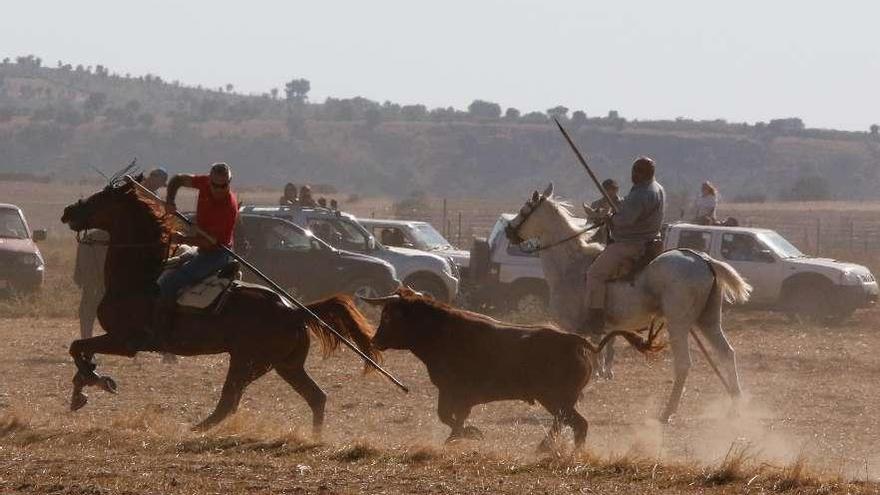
(427, 237)
(780, 245)
(11, 225)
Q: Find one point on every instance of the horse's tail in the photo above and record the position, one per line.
(733, 287)
(645, 346)
(343, 316)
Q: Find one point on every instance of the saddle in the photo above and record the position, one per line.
(210, 294)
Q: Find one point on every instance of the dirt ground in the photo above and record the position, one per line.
(810, 424)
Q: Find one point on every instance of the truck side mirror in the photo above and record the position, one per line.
(371, 243)
(39, 235)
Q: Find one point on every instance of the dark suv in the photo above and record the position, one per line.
(21, 264)
(296, 259)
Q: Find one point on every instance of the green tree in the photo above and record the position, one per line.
(297, 90)
(559, 111)
(578, 118)
(875, 130)
(413, 112)
(512, 114)
(484, 109)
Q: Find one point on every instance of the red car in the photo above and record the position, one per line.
(21, 263)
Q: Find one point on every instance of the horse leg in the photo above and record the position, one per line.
(242, 372)
(715, 336)
(681, 359)
(606, 368)
(295, 374)
(83, 352)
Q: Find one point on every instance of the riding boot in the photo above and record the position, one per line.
(595, 324)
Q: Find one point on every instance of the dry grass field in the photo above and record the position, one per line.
(810, 424)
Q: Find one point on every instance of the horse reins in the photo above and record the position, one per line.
(564, 240)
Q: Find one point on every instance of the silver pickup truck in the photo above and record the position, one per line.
(784, 279)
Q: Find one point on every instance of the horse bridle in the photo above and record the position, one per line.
(512, 228)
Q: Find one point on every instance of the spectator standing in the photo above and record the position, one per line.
(706, 204)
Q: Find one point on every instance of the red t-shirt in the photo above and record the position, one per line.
(215, 217)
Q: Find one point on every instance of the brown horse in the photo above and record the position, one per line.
(258, 330)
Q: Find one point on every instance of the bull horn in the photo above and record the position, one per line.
(377, 301)
(549, 191)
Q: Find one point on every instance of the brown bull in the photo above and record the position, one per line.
(474, 359)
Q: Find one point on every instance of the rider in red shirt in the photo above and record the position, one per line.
(216, 215)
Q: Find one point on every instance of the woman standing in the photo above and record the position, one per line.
(705, 205)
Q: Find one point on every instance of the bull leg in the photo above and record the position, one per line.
(681, 358)
(297, 377)
(453, 414)
(83, 352)
(579, 425)
(242, 372)
(549, 441)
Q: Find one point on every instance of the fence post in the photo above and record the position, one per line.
(445, 230)
(818, 236)
(458, 242)
(852, 234)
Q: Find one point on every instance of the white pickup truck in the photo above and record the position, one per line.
(783, 278)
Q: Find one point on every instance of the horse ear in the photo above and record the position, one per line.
(535, 196)
(549, 191)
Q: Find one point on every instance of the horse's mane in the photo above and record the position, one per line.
(154, 213)
(564, 208)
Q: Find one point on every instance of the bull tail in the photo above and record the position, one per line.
(733, 287)
(644, 346)
(343, 316)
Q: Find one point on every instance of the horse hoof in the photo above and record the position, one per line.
(78, 401)
(608, 375)
(108, 385)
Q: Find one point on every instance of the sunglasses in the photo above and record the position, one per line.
(219, 186)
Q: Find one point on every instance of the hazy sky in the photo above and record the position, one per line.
(744, 60)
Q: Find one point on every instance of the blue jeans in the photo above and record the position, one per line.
(198, 268)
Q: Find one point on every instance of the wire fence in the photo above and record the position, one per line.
(815, 232)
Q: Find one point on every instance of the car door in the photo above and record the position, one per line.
(754, 261)
(288, 255)
(339, 233)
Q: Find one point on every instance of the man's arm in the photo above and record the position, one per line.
(176, 182)
(630, 210)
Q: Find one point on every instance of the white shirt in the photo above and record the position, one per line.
(704, 206)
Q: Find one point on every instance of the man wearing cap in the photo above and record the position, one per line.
(88, 271)
(634, 228)
(601, 209)
(216, 214)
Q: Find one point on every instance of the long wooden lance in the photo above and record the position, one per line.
(277, 288)
(580, 157)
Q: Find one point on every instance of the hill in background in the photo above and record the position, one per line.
(58, 122)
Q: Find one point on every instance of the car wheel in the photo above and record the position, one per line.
(529, 299)
(809, 302)
(428, 287)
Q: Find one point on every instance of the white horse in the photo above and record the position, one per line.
(681, 286)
